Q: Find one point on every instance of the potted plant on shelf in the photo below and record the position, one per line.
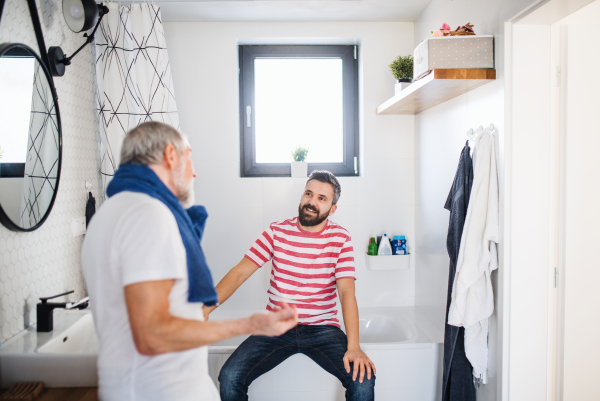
(299, 164)
(402, 70)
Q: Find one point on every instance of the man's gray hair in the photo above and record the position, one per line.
(146, 143)
(328, 178)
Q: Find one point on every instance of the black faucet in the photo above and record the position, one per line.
(45, 311)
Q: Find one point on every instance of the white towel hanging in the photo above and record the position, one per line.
(472, 301)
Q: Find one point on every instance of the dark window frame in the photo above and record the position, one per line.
(349, 56)
(12, 170)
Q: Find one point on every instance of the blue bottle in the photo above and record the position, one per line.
(399, 245)
(396, 245)
(403, 246)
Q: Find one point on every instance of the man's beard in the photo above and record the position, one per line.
(307, 220)
(184, 190)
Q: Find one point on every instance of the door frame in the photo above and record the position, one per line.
(541, 14)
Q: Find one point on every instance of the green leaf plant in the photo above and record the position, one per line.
(402, 67)
(299, 154)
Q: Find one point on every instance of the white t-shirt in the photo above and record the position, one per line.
(134, 238)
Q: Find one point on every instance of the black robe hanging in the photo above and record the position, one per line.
(457, 382)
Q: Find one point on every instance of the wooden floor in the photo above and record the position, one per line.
(67, 394)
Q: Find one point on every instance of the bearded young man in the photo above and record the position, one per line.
(148, 280)
(312, 257)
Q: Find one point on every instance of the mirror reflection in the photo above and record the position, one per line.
(29, 138)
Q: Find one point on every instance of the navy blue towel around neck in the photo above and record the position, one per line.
(140, 178)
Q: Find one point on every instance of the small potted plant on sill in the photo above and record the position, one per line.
(402, 70)
(299, 164)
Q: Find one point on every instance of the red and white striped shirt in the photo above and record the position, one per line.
(305, 268)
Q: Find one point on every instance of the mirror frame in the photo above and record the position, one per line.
(4, 219)
(1, 8)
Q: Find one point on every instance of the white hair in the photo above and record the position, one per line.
(146, 143)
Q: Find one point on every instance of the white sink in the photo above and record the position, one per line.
(65, 357)
(79, 339)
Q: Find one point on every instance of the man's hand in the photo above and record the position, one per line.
(207, 310)
(155, 331)
(361, 361)
(274, 324)
(354, 354)
(231, 282)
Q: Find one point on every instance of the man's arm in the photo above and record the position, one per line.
(232, 281)
(345, 287)
(156, 331)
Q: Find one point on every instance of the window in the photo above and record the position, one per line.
(298, 96)
(16, 84)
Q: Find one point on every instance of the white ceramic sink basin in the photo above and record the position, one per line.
(79, 339)
(65, 357)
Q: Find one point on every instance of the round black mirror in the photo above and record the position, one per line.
(30, 139)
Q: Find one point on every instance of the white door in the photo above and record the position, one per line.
(581, 208)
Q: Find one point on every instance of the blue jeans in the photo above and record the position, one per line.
(326, 345)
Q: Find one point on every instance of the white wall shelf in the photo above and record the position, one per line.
(436, 88)
(388, 262)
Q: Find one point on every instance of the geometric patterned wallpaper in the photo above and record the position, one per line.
(48, 260)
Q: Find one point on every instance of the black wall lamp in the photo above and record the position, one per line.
(80, 15)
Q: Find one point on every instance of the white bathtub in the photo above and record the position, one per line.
(405, 347)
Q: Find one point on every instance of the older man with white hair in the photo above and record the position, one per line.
(148, 279)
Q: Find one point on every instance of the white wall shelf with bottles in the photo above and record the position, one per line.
(388, 262)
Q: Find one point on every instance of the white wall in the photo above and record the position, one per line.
(204, 61)
(582, 217)
(47, 261)
(440, 136)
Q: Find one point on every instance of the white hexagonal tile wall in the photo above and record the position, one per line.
(47, 261)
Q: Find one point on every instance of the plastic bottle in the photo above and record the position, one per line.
(384, 247)
(372, 250)
(403, 247)
(396, 245)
